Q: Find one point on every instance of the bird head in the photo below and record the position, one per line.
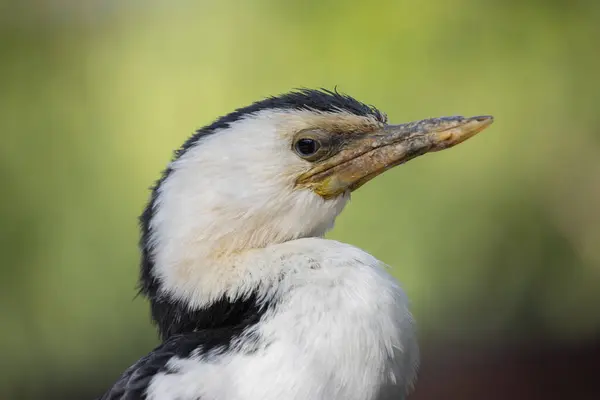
(280, 169)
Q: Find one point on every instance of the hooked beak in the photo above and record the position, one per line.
(363, 158)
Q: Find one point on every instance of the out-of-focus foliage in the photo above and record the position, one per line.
(496, 240)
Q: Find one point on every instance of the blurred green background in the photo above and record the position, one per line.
(497, 242)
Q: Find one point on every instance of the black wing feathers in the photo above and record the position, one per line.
(135, 380)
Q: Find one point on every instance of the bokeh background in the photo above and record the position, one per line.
(497, 242)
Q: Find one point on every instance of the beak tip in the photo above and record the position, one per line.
(484, 119)
(464, 129)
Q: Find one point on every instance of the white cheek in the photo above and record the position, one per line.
(233, 191)
(245, 179)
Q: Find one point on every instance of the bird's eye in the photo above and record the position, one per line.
(312, 145)
(306, 147)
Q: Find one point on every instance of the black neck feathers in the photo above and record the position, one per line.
(230, 317)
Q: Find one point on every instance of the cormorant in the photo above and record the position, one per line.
(250, 301)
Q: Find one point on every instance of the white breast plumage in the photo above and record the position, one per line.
(339, 328)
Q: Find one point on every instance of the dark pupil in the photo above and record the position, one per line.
(307, 147)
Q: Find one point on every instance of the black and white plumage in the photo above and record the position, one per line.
(251, 302)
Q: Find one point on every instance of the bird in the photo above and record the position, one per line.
(250, 300)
